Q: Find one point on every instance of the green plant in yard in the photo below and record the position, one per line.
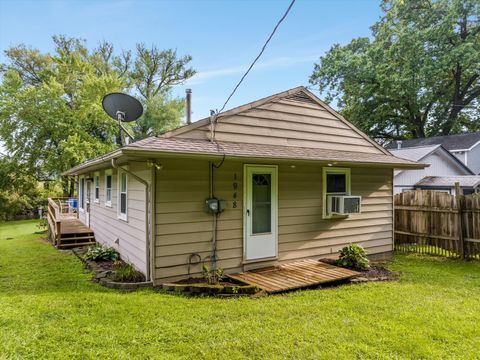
(125, 272)
(100, 252)
(43, 223)
(212, 276)
(354, 257)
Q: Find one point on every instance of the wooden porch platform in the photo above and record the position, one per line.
(294, 275)
(74, 233)
(65, 230)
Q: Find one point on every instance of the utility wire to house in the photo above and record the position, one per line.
(258, 56)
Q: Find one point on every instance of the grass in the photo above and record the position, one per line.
(50, 309)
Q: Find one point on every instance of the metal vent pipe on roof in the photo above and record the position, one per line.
(399, 144)
(188, 101)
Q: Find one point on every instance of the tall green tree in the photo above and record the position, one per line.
(50, 108)
(417, 76)
(51, 117)
(154, 74)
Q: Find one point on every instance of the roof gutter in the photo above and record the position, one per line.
(148, 261)
(100, 160)
(143, 152)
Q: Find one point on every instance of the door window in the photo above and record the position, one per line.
(261, 203)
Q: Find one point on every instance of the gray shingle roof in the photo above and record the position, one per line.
(414, 153)
(194, 146)
(449, 181)
(449, 142)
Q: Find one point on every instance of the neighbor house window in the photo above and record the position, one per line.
(336, 181)
(81, 193)
(122, 195)
(108, 188)
(97, 187)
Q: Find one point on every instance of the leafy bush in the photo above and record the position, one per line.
(100, 252)
(43, 223)
(124, 272)
(212, 276)
(354, 257)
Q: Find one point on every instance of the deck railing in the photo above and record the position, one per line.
(58, 210)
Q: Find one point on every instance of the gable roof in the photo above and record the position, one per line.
(449, 142)
(449, 181)
(234, 149)
(414, 153)
(419, 153)
(299, 94)
(171, 143)
(198, 147)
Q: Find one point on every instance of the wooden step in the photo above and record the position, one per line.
(67, 239)
(76, 235)
(70, 245)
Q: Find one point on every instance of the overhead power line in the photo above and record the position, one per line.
(259, 55)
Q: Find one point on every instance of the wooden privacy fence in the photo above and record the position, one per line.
(437, 223)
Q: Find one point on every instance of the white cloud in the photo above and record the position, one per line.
(286, 61)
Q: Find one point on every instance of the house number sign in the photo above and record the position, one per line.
(235, 187)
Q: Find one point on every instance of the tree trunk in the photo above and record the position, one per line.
(418, 130)
(72, 188)
(65, 186)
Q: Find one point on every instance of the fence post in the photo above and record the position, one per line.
(461, 245)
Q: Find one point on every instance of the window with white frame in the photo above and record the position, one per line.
(81, 193)
(108, 188)
(336, 181)
(122, 195)
(96, 180)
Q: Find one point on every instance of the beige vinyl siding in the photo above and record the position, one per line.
(289, 123)
(184, 228)
(108, 227)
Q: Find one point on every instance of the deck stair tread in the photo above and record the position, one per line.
(294, 275)
(63, 246)
(74, 233)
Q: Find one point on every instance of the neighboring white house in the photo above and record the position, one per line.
(442, 164)
(466, 147)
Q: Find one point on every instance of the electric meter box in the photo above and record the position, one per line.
(214, 205)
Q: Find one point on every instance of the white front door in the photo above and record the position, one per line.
(260, 212)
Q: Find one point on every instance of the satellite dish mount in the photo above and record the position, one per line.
(123, 108)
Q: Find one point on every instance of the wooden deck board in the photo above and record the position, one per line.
(294, 275)
(74, 226)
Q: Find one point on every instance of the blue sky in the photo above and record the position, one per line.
(222, 36)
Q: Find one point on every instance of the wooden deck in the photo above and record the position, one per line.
(64, 229)
(294, 275)
(74, 233)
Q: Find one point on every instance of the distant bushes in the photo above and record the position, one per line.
(21, 194)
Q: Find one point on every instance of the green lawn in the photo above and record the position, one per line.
(50, 309)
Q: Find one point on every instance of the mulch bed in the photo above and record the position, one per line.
(199, 286)
(102, 271)
(376, 272)
(201, 280)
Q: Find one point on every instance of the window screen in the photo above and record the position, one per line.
(336, 183)
(97, 187)
(123, 193)
(108, 194)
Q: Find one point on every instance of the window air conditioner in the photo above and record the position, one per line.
(344, 205)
